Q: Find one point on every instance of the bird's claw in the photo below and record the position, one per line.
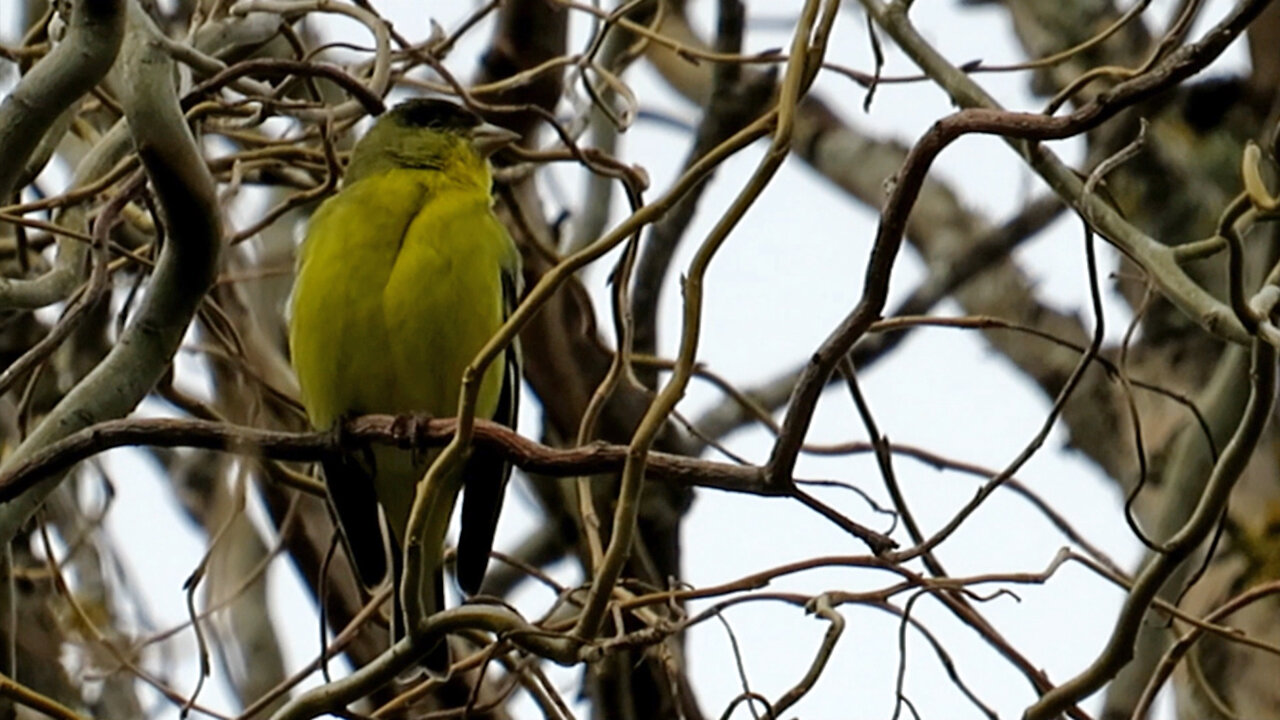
(410, 431)
(339, 435)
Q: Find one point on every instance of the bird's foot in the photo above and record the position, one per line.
(410, 431)
(340, 435)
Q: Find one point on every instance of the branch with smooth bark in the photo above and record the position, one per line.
(1188, 470)
(31, 110)
(185, 271)
(1178, 549)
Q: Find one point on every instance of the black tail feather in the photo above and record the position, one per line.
(355, 504)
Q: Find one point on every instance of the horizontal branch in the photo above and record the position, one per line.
(408, 433)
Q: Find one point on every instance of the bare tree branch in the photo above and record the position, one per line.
(185, 271)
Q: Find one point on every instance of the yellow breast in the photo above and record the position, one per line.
(398, 287)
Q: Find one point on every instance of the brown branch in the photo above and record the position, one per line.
(1158, 569)
(593, 459)
(186, 195)
(371, 103)
(1178, 650)
(1014, 125)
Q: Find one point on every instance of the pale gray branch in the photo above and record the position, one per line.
(188, 203)
(34, 109)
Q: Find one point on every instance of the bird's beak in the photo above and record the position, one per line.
(488, 138)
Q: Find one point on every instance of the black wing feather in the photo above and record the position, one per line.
(349, 482)
(485, 474)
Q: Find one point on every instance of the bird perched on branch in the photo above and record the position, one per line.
(403, 276)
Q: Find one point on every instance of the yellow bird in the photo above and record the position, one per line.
(403, 276)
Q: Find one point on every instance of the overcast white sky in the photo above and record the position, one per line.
(790, 271)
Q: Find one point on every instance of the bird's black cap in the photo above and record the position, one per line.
(435, 114)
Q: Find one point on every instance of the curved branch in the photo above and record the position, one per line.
(184, 273)
(69, 71)
(980, 118)
(1159, 568)
(1172, 656)
(333, 697)
(379, 81)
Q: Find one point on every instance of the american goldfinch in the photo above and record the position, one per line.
(403, 276)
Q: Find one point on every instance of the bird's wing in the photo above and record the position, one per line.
(349, 482)
(485, 475)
